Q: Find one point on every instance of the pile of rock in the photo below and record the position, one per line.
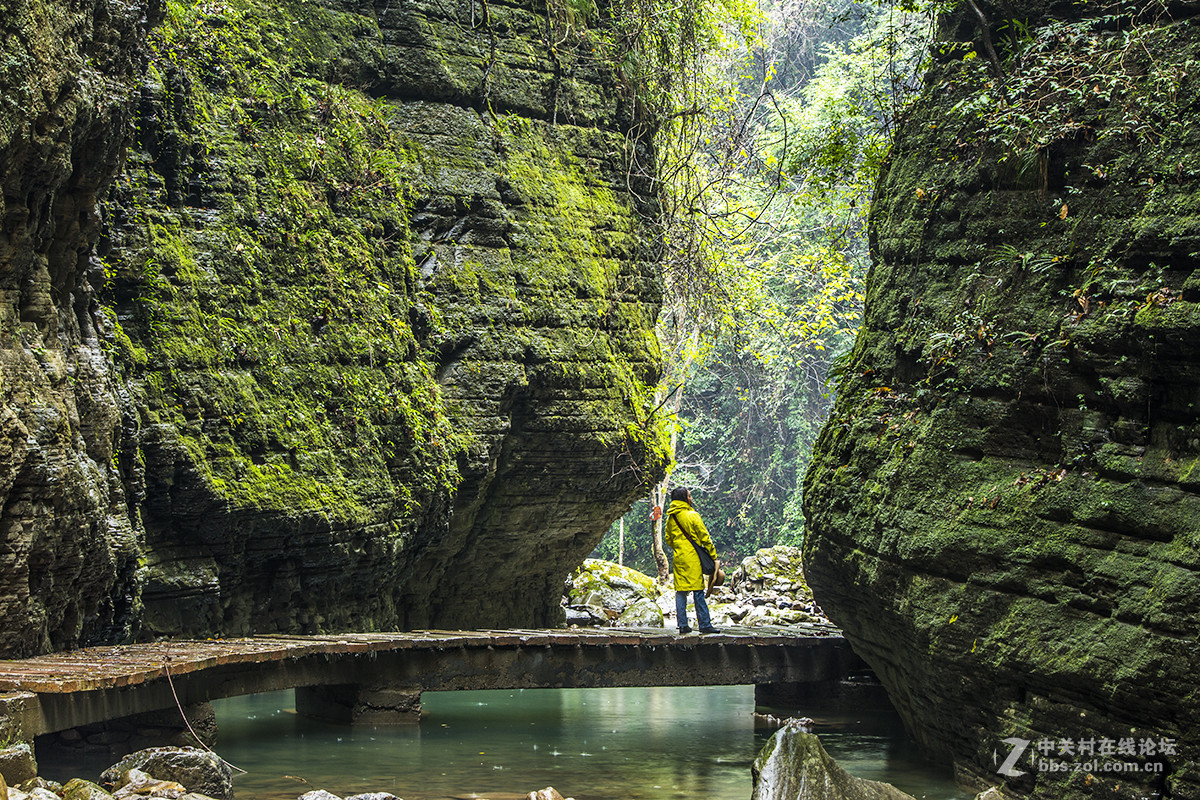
(159, 773)
(549, 793)
(604, 593)
(767, 588)
(321, 794)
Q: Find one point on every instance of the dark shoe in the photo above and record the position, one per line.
(710, 629)
(685, 629)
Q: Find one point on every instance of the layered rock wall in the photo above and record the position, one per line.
(371, 325)
(1003, 512)
(69, 557)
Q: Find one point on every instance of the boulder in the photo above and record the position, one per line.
(79, 789)
(41, 783)
(601, 592)
(373, 796)
(794, 766)
(772, 570)
(133, 783)
(17, 763)
(609, 585)
(318, 794)
(581, 616)
(198, 770)
(549, 793)
(642, 613)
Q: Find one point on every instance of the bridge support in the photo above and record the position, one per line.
(794, 694)
(853, 693)
(356, 704)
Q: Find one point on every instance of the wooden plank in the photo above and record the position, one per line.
(505, 638)
(111, 666)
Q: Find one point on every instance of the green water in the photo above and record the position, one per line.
(590, 744)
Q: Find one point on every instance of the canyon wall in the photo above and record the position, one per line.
(1003, 513)
(318, 317)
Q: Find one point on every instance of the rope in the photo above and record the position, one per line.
(186, 721)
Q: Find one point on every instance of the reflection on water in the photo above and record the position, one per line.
(590, 744)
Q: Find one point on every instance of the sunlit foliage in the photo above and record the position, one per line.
(768, 180)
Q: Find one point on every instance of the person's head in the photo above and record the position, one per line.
(680, 493)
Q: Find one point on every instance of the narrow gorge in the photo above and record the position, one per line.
(319, 316)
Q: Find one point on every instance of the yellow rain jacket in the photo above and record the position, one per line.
(681, 517)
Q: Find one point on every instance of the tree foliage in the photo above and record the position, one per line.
(767, 181)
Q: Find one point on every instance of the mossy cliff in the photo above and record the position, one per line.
(1003, 511)
(68, 563)
(371, 313)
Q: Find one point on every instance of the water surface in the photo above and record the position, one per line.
(590, 744)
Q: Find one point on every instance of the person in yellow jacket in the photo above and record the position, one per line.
(683, 522)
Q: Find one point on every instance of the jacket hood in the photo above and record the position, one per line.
(679, 505)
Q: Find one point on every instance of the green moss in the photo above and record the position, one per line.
(997, 511)
(271, 319)
(288, 319)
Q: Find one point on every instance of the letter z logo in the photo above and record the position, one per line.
(1018, 750)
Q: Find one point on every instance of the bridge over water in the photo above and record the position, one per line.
(379, 677)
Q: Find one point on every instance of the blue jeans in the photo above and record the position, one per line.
(702, 617)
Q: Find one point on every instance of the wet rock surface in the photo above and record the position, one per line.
(148, 774)
(198, 770)
(794, 766)
(1001, 513)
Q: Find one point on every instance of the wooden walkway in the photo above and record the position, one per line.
(125, 665)
(67, 689)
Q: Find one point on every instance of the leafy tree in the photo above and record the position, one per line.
(767, 196)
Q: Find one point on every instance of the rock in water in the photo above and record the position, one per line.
(549, 793)
(319, 794)
(1003, 513)
(992, 793)
(197, 770)
(794, 766)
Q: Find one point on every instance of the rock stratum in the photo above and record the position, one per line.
(314, 316)
(1003, 513)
